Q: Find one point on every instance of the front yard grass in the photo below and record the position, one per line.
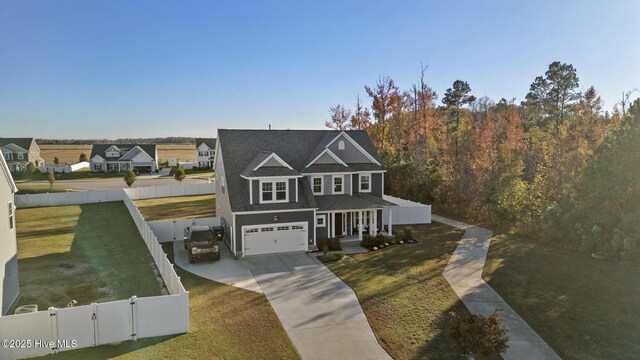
(88, 253)
(181, 207)
(404, 295)
(583, 307)
(225, 323)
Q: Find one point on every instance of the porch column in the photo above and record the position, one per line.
(333, 224)
(360, 225)
(390, 221)
(375, 222)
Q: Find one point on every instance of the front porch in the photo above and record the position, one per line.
(351, 225)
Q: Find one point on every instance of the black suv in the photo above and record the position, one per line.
(202, 242)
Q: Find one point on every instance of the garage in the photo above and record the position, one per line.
(274, 238)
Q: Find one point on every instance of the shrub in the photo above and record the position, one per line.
(478, 336)
(331, 244)
(368, 241)
(407, 234)
(331, 257)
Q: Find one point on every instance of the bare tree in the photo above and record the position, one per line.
(339, 118)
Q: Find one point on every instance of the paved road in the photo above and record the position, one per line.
(117, 183)
(464, 273)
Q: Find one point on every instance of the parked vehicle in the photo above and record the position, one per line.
(202, 242)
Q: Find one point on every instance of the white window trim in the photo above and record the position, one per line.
(273, 190)
(333, 184)
(20, 156)
(321, 185)
(360, 182)
(341, 145)
(324, 220)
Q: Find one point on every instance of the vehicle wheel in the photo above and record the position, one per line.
(191, 259)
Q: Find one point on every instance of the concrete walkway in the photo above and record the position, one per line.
(464, 273)
(319, 311)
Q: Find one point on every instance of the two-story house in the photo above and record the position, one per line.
(205, 152)
(142, 158)
(19, 152)
(282, 190)
(9, 288)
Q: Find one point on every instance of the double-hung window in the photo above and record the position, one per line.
(316, 183)
(338, 186)
(274, 191)
(365, 182)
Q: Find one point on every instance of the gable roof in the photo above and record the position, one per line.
(7, 175)
(210, 142)
(100, 149)
(241, 148)
(24, 143)
(256, 167)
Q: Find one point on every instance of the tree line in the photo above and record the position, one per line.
(555, 164)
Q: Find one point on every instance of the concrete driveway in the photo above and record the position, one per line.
(319, 311)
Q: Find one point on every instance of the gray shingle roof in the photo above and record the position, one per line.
(241, 148)
(211, 142)
(99, 149)
(323, 168)
(24, 143)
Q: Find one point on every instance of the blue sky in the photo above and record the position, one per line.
(110, 69)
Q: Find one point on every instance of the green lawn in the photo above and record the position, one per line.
(584, 308)
(31, 188)
(404, 295)
(88, 253)
(226, 323)
(181, 207)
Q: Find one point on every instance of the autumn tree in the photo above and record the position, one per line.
(51, 177)
(361, 118)
(339, 118)
(385, 97)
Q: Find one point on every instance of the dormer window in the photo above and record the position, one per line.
(341, 145)
(338, 187)
(274, 191)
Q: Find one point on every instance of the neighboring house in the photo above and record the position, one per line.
(122, 157)
(282, 190)
(205, 152)
(18, 152)
(9, 288)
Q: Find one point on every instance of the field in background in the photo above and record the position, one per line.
(71, 153)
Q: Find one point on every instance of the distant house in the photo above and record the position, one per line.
(205, 152)
(18, 152)
(9, 288)
(142, 158)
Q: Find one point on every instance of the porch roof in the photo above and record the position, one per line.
(350, 202)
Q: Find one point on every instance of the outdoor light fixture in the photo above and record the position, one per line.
(275, 218)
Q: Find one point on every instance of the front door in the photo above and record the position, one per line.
(339, 224)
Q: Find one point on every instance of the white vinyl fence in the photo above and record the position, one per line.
(98, 196)
(55, 330)
(152, 192)
(64, 168)
(172, 230)
(407, 212)
(68, 198)
(171, 279)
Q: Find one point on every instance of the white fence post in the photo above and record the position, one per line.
(134, 320)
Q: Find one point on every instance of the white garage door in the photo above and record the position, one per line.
(275, 238)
